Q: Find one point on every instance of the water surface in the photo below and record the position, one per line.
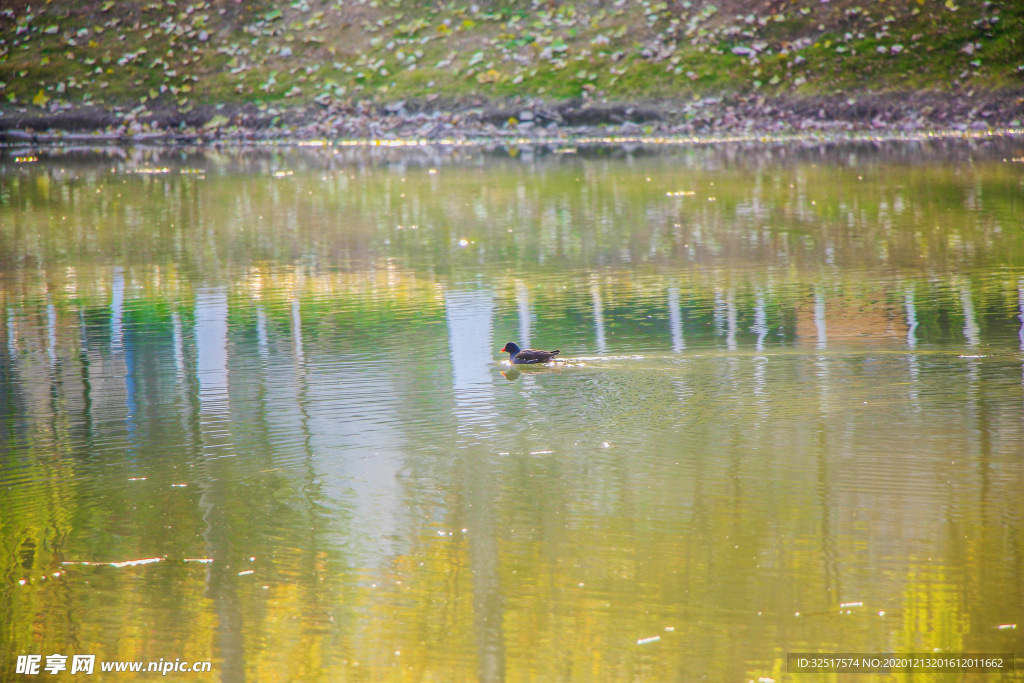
(792, 380)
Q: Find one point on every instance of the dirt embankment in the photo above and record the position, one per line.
(524, 117)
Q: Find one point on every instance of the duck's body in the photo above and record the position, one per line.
(518, 356)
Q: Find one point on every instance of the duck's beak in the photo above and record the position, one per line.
(502, 350)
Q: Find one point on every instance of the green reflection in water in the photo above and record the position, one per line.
(798, 387)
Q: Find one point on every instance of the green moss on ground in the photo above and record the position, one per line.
(174, 54)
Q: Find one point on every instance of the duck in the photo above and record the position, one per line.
(518, 356)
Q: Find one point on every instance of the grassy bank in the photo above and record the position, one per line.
(176, 55)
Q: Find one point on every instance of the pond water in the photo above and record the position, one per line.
(788, 416)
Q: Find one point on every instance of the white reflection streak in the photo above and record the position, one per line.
(1020, 299)
(971, 330)
(911, 318)
(51, 333)
(595, 297)
(719, 313)
(760, 384)
(972, 335)
(211, 332)
(120, 362)
(523, 303)
(915, 368)
(675, 319)
(822, 362)
(179, 346)
(760, 362)
(261, 335)
(297, 332)
(12, 335)
(760, 327)
(117, 310)
(730, 309)
(819, 318)
(470, 317)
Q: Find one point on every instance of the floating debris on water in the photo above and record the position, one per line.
(125, 563)
(246, 572)
(203, 560)
(652, 639)
(540, 452)
(1007, 627)
(844, 605)
(670, 629)
(134, 563)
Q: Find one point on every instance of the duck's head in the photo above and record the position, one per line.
(511, 347)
